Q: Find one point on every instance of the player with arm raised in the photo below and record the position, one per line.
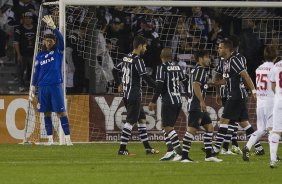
(48, 78)
(168, 80)
(198, 115)
(133, 71)
(265, 97)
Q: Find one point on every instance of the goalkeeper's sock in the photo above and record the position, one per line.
(65, 125)
(175, 141)
(167, 141)
(48, 125)
(50, 139)
(142, 129)
(125, 134)
(187, 141)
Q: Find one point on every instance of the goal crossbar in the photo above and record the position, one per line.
(175, 3)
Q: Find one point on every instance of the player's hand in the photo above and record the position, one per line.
(151, 106)
(203, 106)
(31, 93)
(49, 21)
(120, 88)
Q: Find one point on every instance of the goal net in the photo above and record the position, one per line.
(98, 36)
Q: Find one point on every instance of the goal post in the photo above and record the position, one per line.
(100, 114)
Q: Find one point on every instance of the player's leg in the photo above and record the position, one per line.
(58, 106)
(207, 124)
(194, 120)
(142, 129)
(44, 105)
(235, 146)
(170, 151)
(227, 138)
(133, 109)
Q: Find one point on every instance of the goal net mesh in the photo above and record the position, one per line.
(100, 117)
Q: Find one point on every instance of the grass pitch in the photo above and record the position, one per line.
(99, 164)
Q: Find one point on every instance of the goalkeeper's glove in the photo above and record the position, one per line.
(31, 93)
(49, 21)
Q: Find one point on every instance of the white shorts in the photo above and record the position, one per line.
(277, 116)
(264, 115)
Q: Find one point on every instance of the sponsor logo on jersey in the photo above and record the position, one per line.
(169, 68)
(47, 61)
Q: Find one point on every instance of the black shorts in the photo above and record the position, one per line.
(134, 110)
(170, 114)
(236, 110)
(198, 118)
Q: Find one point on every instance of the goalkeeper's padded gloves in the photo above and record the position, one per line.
(49, 21)
(31, 93)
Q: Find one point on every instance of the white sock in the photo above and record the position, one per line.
(273, 145)
(67, 137)
(255, 137)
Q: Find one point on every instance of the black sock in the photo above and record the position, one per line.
(126, 133)
(175, 141)
(208, 143)
(187, 141)
(220, 136)
(167, 141)
(142, 129)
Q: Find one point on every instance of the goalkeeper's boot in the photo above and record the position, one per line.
(168, 156)
(68, 141)
(273, 164)
(152, 151)
(246, 154)
(259, 151)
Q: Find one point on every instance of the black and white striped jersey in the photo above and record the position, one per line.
(200, 75)
(132, 68)
(168, 78)
(232, 68)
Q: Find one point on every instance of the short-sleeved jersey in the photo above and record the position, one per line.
(48, 65)
(232, 68)
(26, 39)
(263, 83)
(132, 68)
(200, 75)
(276, 76)
(170, 75)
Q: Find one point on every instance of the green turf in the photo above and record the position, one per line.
(100, 164)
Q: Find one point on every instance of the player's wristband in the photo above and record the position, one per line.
(254, 91)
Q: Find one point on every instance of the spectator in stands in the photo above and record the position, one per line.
(199, 21)
(116, 40)
(152, 55)
(216, 35)
(24, 43)
(20, 8)
(251, 47)
(3, 45)
(76, 40)
(5, 7)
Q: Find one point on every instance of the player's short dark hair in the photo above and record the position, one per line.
(235, 40)
(270, 53)
(50, 36)
(200, 54)
(227, 44)
(139, 40)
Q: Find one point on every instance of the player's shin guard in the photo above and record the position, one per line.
(125, 134)
(220, 136)
(255, 137)
(65, 125)
(48, 125)
(187, 141)
(142, 129)
(273, 145)
(208, 143)
(167, 141)
(175, 141)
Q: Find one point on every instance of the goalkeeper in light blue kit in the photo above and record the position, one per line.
(48, 77)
